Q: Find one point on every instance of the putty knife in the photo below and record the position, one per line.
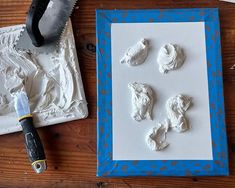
(45, 23)
(33, 143)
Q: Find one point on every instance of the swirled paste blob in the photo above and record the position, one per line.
(156, 140)
(176, 107)
(170, 57)
(142, 101)
(136, 54)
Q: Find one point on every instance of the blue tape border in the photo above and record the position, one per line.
(108, 167)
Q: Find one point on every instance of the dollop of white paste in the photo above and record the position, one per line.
(170, 57)
(52, 81)
(136, 54)
(142, 101)
(176, 107)
(156, 139)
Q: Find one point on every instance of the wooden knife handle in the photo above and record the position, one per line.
(33, 145)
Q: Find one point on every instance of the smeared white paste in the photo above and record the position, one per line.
(3, 104)
(136, 54)
(52, 81)
(156, 139)
(142, 101)
(176, 107)
(50, 4)
(170, 57)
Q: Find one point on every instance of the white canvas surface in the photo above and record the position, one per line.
(191, 79)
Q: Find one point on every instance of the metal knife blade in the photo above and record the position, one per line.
(21, 103)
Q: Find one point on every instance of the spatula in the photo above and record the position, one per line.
(33, 143)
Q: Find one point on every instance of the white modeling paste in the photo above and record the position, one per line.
(136, 54)
(52, 81)
(176, 107)
(50, 5)
(142, 101)
(170, 57)
(156, 140)
(3, 104)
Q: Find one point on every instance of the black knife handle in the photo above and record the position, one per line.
(33, 145)
(35, 13)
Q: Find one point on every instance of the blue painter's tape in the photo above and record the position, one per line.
(108, 167)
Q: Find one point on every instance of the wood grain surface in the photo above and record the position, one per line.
(71, 147)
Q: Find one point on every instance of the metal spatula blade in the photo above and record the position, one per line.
(21, 104)
(50, 25)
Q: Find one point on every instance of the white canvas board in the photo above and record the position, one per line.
(191, 79)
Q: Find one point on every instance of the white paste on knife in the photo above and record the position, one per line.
(52, 81)
(136, 54)
(176, 107)
(50, 4)
(170, 57)
(156, 140)
(142, 101)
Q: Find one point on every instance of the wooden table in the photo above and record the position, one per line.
(71, 147)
